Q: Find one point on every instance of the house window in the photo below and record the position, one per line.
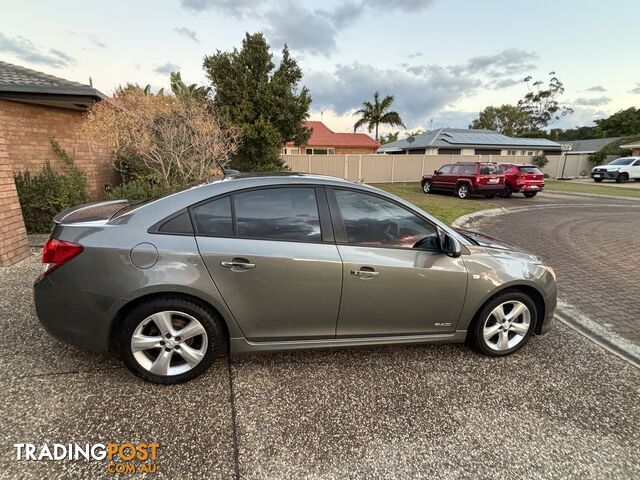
(531, 153)
(480, 151)
(321, 151)
(512, 152)
(449, 151)
(290, 151)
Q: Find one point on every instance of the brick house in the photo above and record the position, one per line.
(324, 141)
(35, 107)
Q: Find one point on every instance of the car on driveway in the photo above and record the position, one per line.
(527, 179)
(621, 170)
(465, 179)
(260, 263)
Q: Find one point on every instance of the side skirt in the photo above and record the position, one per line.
(241, 345)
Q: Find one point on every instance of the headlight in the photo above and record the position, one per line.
(551, 271)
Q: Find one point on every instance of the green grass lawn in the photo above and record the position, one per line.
(445, 207)
(569, 186)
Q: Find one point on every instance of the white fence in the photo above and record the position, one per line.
(410, 168)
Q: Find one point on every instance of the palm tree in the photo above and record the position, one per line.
(374, 114)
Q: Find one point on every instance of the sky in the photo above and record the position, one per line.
(443, 60)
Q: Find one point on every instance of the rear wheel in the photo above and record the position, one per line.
(426, 187)
(504, 325)
(462, 191)
(597, 180)
(622, 178)
(530, 194)
(507, 192)
(170, 340)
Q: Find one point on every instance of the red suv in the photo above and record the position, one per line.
(466, 178)
(527, 179)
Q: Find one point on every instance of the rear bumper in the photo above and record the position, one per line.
(529, 187)
(497, 188)
(76, 317)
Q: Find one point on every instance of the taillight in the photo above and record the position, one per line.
(58, 252)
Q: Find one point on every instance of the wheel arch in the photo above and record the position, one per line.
(133, 303)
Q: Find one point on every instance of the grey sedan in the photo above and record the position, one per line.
(254, 263)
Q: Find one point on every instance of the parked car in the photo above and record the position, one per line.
(527, 179)
(465, 179)
(280, 262)
(620, 170)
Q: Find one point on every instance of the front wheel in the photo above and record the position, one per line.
(426, 187)
(597, 180)
(504, 325)
(506, 192)
(622, 178)
(462, 191)
(530, 194)
(170, 340)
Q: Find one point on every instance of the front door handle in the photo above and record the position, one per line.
(365, 273)
(238, 265)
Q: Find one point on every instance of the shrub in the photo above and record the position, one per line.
(45, 193)
(138, 190)
(540, 161)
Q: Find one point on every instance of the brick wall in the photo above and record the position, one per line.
(13, 236)
(27, 129)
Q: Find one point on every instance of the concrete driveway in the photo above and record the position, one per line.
(561, 408)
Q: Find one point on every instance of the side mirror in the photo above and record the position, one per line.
(450, 246)
(436, 172)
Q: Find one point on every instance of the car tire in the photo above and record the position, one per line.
(530, 194)
(486, 321)
(426, 187)
(175, 313)
(462, 191)
(597, 180)
(506, 192)
(622, 178)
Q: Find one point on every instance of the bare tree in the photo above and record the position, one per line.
(176, 140)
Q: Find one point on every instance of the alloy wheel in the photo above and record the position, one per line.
(426, 188)
(169, 343)
(507, 325)
(463, 191)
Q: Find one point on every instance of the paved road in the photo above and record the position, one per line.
(594, 245)
(560, 408)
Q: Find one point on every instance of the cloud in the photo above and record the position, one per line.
(505, 83)
(188, 33)
(596, 88)
(636, 89)
(414, 55)
(303, 28)
(417, 97)
(25, 50)
(97, 42)
(592, 102)
(167, 68)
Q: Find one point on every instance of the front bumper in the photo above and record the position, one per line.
(605, 175)
(80, 318)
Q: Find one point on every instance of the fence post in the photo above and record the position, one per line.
(393, 166)
(309, 169)
(579, 166)
(346, 167)
(422, 167)
(359, 168)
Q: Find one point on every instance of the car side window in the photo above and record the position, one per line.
(637, 163)
(456, 169)
(470, 170)
(445, 169)
(289, 213)
(375, 222)
(213, 218)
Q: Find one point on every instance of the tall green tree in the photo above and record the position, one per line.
(624, 122)
(377, 113)
(506, 119)
(181, 89)
(541, 104)
(265, 102)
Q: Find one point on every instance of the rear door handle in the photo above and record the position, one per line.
(238, 265)
(365, 273)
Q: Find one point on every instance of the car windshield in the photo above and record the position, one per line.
(529, 170)
(622, 161)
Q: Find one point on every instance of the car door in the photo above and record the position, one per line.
(273, 260)
(439, 180)
(396, 281)
(635, 170)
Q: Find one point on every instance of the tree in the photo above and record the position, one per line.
(377, 113)
(624, 122)
(391, 137)
(169, 140)
(264, 102)
(181, 89)
(613, 149)
(540, 103)
(506, 119)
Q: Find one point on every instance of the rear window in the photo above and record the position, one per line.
(489, 169)
(529, 170)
